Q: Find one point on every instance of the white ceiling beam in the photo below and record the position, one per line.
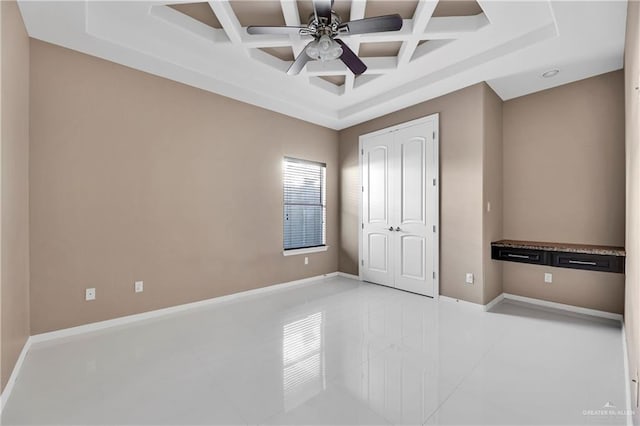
(421, 19)
(269, 40)
(364, 79)
(358, 8)
(188, 24)
(317, 68)
(453, 27)
(290, 12)
(269, 60)
(423, 14)
(228, 19)
(379, 65)
(292, 19)
(349, 82)
(357, 12)
(326, 85)
(428, 47)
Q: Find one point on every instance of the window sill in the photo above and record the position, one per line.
(304, 251)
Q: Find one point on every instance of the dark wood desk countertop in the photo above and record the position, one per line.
(563, 247)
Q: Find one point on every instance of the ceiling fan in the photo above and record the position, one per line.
(325, 26)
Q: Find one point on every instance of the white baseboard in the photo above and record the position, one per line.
(101, 325)
(494, 302)
(14, 374)
(471, 305)
(562, 306)
(350, 276)
(538, 302)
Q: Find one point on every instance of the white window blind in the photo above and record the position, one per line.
(304, 204)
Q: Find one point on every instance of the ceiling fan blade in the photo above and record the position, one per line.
(322, 9)
(274, 30)
(299, 63)
(372, 25)
(350, 59)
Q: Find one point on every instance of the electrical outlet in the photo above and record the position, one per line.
(139, 286)
(469, 278)
(548, 277)
(90, 294)
(306, 260)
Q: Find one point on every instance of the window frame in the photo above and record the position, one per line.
(323, 197)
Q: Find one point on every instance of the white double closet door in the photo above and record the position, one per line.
(400, 206)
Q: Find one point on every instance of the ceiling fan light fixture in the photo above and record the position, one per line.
(324, 49)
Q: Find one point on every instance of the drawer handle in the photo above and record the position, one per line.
(583, 262)
(519, 256)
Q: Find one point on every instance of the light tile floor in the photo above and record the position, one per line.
(336, 351)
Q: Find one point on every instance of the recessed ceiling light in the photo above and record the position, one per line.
(550, 73)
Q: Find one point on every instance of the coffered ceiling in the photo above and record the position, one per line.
(443, 46)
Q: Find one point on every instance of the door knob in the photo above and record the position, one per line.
(391, 228)
(398, 228)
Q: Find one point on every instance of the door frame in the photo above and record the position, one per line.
(435, 119)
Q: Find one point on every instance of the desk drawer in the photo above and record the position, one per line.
(536, 257)
(591, 262)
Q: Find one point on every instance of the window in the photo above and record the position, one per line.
(304, 204)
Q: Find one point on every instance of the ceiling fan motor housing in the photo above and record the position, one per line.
(321, 26)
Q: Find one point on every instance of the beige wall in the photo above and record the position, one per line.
(492, 192)
(549, 164)
(134, 177)
(564, 182)
(461, 222)
(14, 280)
(632, 294)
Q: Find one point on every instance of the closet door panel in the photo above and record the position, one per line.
(412, 168)
(377, 185)
(414, 233)
(377, 244)
(378, 253)
(412, 255)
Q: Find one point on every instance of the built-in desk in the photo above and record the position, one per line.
(561, 255)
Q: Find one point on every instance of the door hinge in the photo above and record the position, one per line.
(434, 135)
(362, 262)
(434, 181)
(362, 152)
(434, 228)
(363, 226)
(434, 275)
(363, 189)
